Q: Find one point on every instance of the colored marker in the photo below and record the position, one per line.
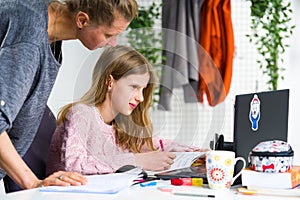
(161, 145)
(187, 181)
(147, 184)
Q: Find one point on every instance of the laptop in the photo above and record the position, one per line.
(259, 117)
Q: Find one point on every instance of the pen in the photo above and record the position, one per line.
(194, 195)
(161, 145)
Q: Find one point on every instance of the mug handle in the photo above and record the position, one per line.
(240, 172)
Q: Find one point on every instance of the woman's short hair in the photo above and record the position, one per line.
(103, 12)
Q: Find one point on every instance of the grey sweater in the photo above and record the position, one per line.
(27, 69)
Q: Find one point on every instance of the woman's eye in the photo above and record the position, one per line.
(108, 36)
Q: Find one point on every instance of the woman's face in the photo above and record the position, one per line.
(93, 37)
(127, 93)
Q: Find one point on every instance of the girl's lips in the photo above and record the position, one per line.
(132, 105)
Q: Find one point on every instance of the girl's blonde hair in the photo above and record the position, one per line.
(101, 12)
(134, 131)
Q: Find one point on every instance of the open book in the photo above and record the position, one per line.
(185, 159)
(182, 166)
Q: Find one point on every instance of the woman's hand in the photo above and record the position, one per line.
(155, 160)
(62, 178)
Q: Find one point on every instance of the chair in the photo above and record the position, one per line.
(37, 154)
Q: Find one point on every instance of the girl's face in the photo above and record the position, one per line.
(127, 93)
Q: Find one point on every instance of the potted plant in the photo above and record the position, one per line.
(271, 27)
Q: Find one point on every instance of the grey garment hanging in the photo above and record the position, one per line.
(181, 28)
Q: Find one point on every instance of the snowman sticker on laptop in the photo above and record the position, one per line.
(254, 114)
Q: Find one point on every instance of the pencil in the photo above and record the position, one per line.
(194, 195)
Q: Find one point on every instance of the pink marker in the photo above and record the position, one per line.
(161, 145)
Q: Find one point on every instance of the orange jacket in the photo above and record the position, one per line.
(216, 54)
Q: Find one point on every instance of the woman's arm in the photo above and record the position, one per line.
(16, 168)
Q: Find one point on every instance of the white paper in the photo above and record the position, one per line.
(185, 159)
(182, 160)
(98, 184)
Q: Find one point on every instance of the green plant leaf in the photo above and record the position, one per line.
(272, 19)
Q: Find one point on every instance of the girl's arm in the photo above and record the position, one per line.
(155, 160)
(87, 146)
(95, 152)
(80, 158)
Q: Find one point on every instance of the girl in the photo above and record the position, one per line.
(110, 126)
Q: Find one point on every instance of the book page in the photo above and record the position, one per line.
(182, 160)
(185, 159)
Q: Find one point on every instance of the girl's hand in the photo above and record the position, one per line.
(155, 160)
(62, 178)
(201, 150)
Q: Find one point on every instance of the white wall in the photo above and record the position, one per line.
(292, 81)
(194, 123)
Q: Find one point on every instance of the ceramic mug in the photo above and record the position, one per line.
(220, 168)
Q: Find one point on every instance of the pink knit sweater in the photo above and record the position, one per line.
(85, 144)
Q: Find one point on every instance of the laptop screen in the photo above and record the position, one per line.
(259, 117)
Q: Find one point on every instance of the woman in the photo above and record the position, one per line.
(110, 126)
(29, 68)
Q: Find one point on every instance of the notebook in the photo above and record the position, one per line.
(259, 117)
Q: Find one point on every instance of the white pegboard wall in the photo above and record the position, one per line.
(203, 120)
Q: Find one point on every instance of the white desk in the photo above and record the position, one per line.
(138, 193)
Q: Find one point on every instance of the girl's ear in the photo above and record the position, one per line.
(110, 82)
(82, 19)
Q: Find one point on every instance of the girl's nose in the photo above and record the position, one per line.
(139, 96)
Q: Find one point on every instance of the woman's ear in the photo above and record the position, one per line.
(82, 19)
